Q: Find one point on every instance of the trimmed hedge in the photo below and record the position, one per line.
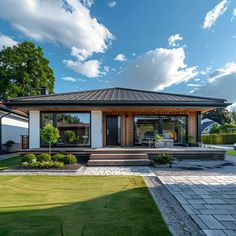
(29, 158)
(43, 157)
(219, 138)
(43, 165)
(58, 157)
(69, 159)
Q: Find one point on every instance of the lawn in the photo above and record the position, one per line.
(78, 205)
(10, 163)
(231, 152)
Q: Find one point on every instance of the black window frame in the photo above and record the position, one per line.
(55, 125)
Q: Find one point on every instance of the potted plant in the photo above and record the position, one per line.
(50, 135)
(163, 160)
(159, 141)
(9, 144)
(191, 141)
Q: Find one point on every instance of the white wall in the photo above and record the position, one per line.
(13, 128)
(34, 129)
(96, 129)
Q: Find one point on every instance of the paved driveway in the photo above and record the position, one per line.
(210, 199)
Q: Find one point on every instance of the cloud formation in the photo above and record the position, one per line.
(120, 57)
(214, 14)
(221, 83)
(173, 39)
(68, 23)
(6, 41)
(158, 69)
(68, 78)
(111, 4)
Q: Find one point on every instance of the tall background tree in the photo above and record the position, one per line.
(24, 71)
(221, 116)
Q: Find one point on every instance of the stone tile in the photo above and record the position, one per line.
(211, 222)
(229, 225)
(215, 212)
(214, 232)
(214, 201)
(225, 217)
(229, 232)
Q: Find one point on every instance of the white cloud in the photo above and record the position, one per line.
(194, 85)
(87, 3)
(221, 83)
(111, 4)
(173, 39)
(120, 57)
(213, 14)
(6, 41)
(68, 78)
(90, 68)
(233, 15)
(68, 23)
(158, 69)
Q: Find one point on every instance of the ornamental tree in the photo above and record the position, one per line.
(50, 135)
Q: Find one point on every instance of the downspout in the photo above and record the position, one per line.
(1, 129)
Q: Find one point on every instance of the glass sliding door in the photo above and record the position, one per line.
(74, 128)
(145, 128)
(170, 127)
(174, 127)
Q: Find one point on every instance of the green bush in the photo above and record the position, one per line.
(69, 159)
(219, 138)
(58, 157)
(43, 165)
(164, 159)
(29, 158)
(43, 157)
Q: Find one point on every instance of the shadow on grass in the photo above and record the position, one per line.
(129, 212)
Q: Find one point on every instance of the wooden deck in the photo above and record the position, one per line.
(180, 153)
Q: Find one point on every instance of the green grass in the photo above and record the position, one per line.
(78, 205)
(231, 152)
(10, 163)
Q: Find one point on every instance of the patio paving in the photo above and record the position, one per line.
(209, 200)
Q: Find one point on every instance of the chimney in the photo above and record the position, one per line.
(44, 91)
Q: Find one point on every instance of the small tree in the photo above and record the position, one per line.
(50, 135)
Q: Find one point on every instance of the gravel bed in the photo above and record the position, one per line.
(176, 218)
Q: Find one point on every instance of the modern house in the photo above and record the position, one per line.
(206, 125)
(13, 126)
(115, 117)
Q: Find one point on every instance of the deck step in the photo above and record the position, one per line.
(119, 162)
(95, 156)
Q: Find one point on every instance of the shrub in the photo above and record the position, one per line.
(58, 157)
(28, 158)
(69, 159)
(43, 157)
(164, 159)
(43, 165)
(219, 138)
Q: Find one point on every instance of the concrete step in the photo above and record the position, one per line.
(95, 156)
(119, 162)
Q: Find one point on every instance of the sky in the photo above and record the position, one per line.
(184, 46)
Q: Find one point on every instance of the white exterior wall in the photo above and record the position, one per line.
(96, 129)
(13, 128)
(34, 129)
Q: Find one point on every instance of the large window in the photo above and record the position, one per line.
(146, 127)
(170, 127)
(74, 128)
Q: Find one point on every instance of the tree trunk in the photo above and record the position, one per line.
(49, 148)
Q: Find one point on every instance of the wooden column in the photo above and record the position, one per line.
(192, 125)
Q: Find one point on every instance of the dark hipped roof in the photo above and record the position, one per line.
(117, 96)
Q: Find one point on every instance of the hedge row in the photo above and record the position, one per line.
(219, 138)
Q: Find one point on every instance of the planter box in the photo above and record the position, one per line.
(159, 144)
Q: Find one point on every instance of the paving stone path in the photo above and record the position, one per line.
(209, 200)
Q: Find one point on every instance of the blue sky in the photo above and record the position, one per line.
(183, 46)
